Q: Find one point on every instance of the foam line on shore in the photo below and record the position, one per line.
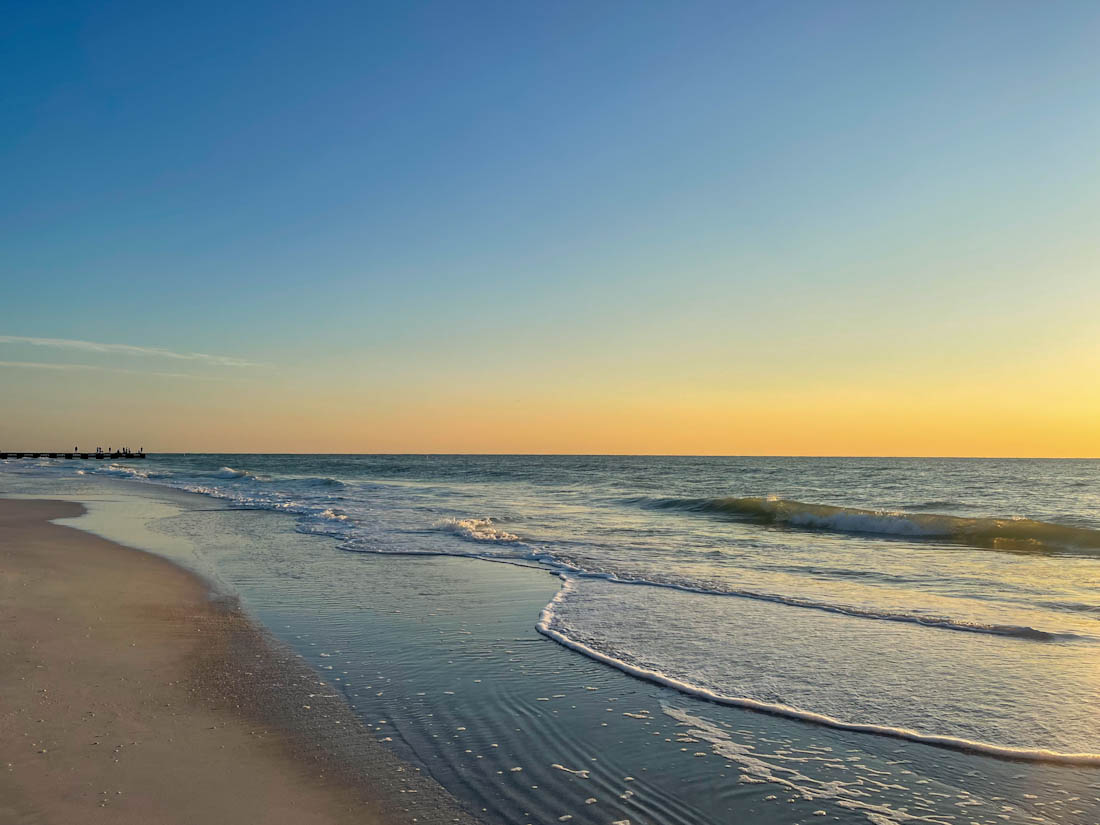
(545, 627)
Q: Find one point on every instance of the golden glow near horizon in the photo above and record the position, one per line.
(809, 383)
(888, 378)
(1042, 408)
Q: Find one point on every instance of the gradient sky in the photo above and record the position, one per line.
(626, 227)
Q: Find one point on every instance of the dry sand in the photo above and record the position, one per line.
(128, 695)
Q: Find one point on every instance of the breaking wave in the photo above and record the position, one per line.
(117, 470)
(1011, 534)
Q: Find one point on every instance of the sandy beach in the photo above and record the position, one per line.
(128, 694)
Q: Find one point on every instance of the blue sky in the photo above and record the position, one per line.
(382, 195)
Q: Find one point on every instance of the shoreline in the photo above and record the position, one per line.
(131, 695)
(439, 659)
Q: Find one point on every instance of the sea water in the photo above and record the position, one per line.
(952, 602)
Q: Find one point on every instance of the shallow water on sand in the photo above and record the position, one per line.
(955, 601)
(441, 658)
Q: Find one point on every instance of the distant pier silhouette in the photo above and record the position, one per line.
(77, 454)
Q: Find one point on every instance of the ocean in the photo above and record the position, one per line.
(832, 633)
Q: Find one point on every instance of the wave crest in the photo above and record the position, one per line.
(321, 481)
(1011, 534)
(118, 470)
(229, 472)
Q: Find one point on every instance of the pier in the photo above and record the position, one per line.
(99, 454)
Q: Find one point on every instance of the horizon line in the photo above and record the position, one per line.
(613, 455)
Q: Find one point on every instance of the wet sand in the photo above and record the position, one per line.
(128, 694)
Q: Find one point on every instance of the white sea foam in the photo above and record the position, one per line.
(477, 529)
(760, 767)
(120, 471)
(582, 773)
(229, 472)
(548, 626)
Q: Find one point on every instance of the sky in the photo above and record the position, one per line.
(778, 228)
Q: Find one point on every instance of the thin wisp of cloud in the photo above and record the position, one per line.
(127, 349)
